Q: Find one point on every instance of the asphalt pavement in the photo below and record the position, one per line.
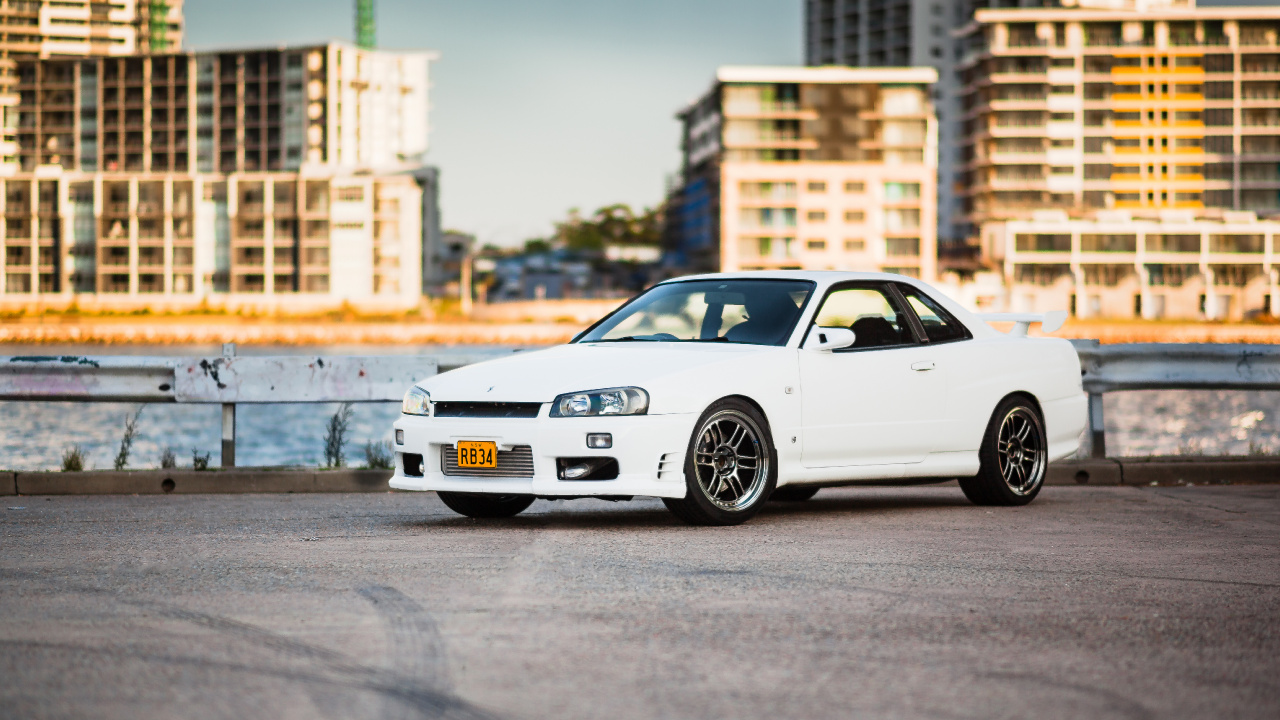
(1093, 602)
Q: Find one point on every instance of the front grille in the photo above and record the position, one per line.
(487, 410)
(514, 463)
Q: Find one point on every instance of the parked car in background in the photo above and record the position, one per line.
(718, 392)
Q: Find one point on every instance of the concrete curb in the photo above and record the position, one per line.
(8, 483)
(1172, 470)
(1201, 470)
(156, 482)
(1085, 472)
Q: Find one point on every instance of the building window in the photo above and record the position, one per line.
(902, 247)
(901, 219)
(855, 245)
(855, 216)
(350, 194)
(817, 187)
(816, 216)
(816, 244)
(895, 191)
(855, 187)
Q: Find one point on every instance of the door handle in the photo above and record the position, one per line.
(923, 366)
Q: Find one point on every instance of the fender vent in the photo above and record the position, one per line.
(671, 467)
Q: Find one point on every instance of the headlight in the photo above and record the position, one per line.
(416, 402)
(613, 401)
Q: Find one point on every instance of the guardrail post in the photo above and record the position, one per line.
(228, 419)
(1097, 428)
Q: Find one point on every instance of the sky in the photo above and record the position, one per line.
(539, 106)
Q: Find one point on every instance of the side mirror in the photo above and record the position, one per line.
(826, 339)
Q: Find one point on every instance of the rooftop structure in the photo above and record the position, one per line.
(810, 168)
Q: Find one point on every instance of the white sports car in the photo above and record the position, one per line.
(719, 392)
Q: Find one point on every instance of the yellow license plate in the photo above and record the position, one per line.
(475, 454)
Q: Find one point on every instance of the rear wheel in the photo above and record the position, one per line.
(485, 505)
(1013, 459)
(793, 493)
(730, 468)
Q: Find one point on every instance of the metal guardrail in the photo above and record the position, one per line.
(231, 380)
(227, 381)
(1170, 366)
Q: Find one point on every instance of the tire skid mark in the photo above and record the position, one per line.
(412, 695)
(417, 649)
(1111, 700)
(427, 703)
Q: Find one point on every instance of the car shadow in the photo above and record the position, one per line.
(649, 513)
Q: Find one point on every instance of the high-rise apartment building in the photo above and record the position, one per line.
(31, 29)
(919, 33)
(1126, 158)
(289, 172)
(810, 168)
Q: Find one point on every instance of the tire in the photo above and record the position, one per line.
(1014, 457)
(485, 505)
(731, 466)
(793, 493)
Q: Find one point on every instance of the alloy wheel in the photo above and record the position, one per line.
(1020, 451)
(730, 461)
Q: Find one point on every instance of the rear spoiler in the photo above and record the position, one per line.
(1049, 322)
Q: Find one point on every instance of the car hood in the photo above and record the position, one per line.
(539, 376)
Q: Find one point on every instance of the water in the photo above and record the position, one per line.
(1192, 422)
(33, 436)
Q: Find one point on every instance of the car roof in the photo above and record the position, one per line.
(824, 279)
(821, 277)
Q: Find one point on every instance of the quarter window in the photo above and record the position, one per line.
(875, 319)
(939, 325)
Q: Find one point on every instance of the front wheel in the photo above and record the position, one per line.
(1013, 459)
(485, 505)
(730, 468)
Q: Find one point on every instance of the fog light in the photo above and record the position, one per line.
(587, 468)
(573, 472)
(599, 441)
(399, 437)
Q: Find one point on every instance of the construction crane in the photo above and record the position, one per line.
(366, 28)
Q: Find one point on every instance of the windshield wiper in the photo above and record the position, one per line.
(714, 339)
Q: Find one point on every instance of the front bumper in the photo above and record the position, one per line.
(649, 449)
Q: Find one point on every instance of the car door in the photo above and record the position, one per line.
(960, 366)
(874, 403)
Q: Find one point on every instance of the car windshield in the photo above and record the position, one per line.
(754, 312)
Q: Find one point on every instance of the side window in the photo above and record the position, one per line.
(939, 325)
(874, 318)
